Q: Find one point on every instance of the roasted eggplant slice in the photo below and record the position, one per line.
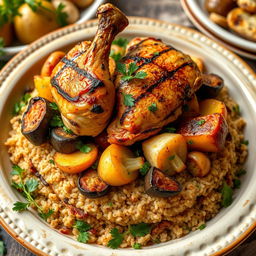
(91, 185)
(36, 120)
(62, 141)
(211, 86)
(158, 184)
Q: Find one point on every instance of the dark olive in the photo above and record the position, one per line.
(36, 120)
(62, 141)
(221, 7)
(211, 86)
(91, 185)
(158, 184)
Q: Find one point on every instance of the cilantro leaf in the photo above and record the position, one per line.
(131, 68)
(51, 161)
(227, 194)
(83, 237)
(128, 100)
(68, 131)
(121, 68)
(128, 73)
(83, 147)
(200, 122)
(237, 183)
(56, 121)
(122, 42)
(115, 56)
(152, 107)
(31, 185)
(1, 46)
(46, 215)
(140, 75)
(136, 246)
(20, 206)
(145, 168)
(17, 186)
(81, 226)
(16, 170)
(139, 230)
(245, 142)
(18, 105)
(117, 238)
(241, 172)
(61, 15)
(201, 227)
(54, 106)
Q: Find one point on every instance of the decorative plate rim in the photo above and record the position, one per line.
(203, 28)
(5, 220)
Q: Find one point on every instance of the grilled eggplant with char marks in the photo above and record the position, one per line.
(36, 120)
(160, 185)
(62, 141)
(171, 79)
(91, 185)
(81, 82)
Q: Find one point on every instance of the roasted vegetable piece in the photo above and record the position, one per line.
(191, 109)
(62, 141)
(118, 165)
(50, 63)
(198, 164)
(199, 62)
(42, 85)
(77, 161)
(219, 20)
(91, 185)
(221, 7)
(166, 151)
(160, 185)
(206, 133)
(211, 106)
(247, 5)
(36, 120)
(211, 86)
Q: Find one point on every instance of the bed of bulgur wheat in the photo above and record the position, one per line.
(171, 218)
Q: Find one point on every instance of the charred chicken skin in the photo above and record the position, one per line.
(81, 83)
(156, 100)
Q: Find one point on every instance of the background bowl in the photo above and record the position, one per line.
(200, 18)
(85, 15)
(222, 233)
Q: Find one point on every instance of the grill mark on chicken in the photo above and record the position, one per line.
(169, 75)
(95, 83)
(136, 46)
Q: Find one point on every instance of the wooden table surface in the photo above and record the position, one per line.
(168, 10)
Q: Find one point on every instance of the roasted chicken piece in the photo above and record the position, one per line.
(145, 105)
(81, 84)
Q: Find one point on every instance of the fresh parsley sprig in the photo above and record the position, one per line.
(83, 228)
(140, 229)
(227, 194)
(145, 168)
(23, 102)
(128, 73)
(129, 101)
(122, 42)
(117, 238)
(27, 188)
(61, 15)
(85, 148)
(2, 47)
(56, 121)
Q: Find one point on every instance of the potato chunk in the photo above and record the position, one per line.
(206, 133)
(211, 106)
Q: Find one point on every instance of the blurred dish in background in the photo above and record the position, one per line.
(24, 21)
(234, 34)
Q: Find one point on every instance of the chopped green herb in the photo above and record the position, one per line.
(157, 241)
(82, 226)
(68, 131)
(51, 162)
(56, 121)
(54, 106)
(152, 107)
(128, 73)
(236, 109)
(116, 56)
(117, 238)
(241, 172)
(27, 188)
(227, 194)
(1, 46)
(156, 53)
(200, 122)
(128, 100)
(122, 42)
(245, 142)
(83, 237)
(136, 246)
(145, 168)
(110, 204)
(190, 142)
(139, 230)
(201, 227)
(2, 248)
(170, 129)
(85, 148)
(18, 105)
(61, 15)
(171, 157)
(237, 183)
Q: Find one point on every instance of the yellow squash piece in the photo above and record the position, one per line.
(42, 85)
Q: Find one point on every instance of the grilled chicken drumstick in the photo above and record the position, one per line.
(146, 105)
(81, 84)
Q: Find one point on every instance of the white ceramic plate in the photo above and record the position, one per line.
(200, 18)
(85, 15)
(222, 233)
